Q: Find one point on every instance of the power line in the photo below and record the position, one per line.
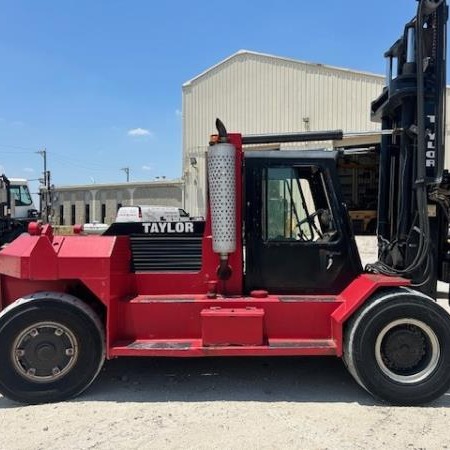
(87, 165)
(74, 160)
(15, 152)
(62, 160)
(79, 165)
(57, 157)
(18, 147)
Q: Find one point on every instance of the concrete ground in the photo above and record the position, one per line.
(226, 403)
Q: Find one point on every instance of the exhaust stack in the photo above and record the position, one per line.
(222, 197)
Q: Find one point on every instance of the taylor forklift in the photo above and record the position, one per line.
(273, 270)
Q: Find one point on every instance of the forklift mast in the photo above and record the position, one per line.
(413, 203)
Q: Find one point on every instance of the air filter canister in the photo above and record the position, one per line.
(222, 196)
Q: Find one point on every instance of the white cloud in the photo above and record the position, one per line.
(178, 112)
(139, 132)
(28, 169)
(144, 167)
(17, 123)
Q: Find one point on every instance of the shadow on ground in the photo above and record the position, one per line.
(226, 379)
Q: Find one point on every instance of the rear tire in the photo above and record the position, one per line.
(52, 348)
(397, 346)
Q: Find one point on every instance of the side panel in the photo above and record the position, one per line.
(180, 318)
(283, 325)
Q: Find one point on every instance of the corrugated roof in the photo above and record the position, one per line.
(241, 53)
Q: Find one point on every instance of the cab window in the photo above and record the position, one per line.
(296, 205)
(21, 195)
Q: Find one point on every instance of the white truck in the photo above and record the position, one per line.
(17, 209)
(149, 213)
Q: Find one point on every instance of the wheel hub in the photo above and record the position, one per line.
(407, 350)
(44, 352)
(404, 348)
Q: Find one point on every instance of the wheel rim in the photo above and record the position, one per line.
(407, 350)
(45, 351)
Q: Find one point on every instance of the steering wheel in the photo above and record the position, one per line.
(310, 219)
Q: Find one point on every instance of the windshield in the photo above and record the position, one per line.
(21, 195)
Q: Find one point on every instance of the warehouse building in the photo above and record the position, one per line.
(254, 93)
(72, 205)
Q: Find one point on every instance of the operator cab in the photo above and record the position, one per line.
(23, 207)
(298, 238)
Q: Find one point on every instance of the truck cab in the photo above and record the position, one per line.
(22, 202)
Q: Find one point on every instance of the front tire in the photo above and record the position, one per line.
(52, 348)
(397, 346)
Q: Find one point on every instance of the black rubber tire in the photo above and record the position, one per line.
(82, 325)
(402, 311)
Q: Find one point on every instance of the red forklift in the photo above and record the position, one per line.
(273, 270)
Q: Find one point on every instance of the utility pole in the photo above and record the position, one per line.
(127, 172)
(46, 183)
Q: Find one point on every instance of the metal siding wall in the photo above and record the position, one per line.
(254, 93)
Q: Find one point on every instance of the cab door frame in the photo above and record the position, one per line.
(293, 266)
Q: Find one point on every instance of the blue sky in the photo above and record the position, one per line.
(78, 76)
